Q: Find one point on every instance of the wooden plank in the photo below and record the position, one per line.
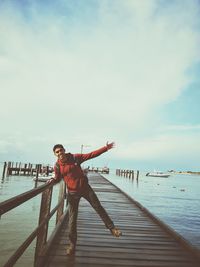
(127, 256)
(94, 262)
(141, 250)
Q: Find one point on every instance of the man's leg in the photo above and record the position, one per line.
(92, 198)
(73, 201)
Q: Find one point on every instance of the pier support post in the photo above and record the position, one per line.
(4, 170)
(19, 170)
(8, 171)
(137, 175)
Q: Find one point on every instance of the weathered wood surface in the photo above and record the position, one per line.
(143, 244)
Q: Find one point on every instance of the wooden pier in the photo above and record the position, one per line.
(146, 241)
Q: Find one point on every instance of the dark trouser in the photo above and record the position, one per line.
(91, 197)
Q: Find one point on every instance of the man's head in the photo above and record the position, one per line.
(59, 151)
(57, 146)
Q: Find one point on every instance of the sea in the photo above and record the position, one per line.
(175, 200)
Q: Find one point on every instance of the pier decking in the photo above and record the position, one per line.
(145, 242)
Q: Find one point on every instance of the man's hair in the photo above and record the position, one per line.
(57, 146)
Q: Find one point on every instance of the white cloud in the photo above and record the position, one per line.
(86, 83)
(168, 147)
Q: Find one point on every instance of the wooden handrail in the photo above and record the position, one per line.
(45, 214)
(13, 202)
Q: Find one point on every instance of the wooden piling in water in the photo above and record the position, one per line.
(126, 173)
(19, 170)
(137, 175)
(27, 169)
(16, 167)
(32, 169)
(8, 169)
(37, 171)
(4, 170)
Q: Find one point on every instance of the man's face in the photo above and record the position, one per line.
(60, 153)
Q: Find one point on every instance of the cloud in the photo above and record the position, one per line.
(74, 76)
(169, 150)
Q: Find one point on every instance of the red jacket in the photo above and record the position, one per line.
(71, 170)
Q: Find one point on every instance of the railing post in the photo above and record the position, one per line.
(61, 198)
(44, 212)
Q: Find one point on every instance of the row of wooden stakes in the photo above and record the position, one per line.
(18, 168)
(128, 173)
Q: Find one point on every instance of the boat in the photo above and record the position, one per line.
(158, 174)
(42, 178)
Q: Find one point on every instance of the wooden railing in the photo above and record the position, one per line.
(42, 244)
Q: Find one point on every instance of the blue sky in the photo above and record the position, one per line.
(87, 72)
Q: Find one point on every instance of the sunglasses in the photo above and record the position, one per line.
(59, 150)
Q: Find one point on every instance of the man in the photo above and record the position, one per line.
(68, 167)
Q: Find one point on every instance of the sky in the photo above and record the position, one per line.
(82, 73)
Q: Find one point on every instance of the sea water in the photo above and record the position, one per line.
(175, 200)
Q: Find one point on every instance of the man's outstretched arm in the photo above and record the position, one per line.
(95, 153)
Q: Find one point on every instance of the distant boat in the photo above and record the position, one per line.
(42, 178)
(158, 174)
